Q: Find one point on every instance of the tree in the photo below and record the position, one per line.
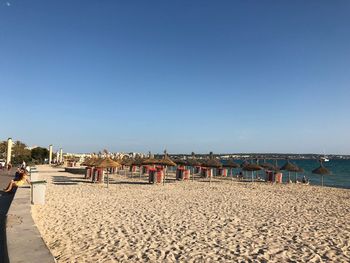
(20, 153)
(40, 154)
(3, 149)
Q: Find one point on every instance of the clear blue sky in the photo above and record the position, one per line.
(222, 76)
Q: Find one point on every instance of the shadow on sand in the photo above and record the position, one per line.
(65, 180)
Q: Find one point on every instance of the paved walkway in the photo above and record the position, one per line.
(5, 202)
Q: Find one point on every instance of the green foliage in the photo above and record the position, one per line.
(39, 154)
(3, 149)
(20, 149)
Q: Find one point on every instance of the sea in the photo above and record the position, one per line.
(339, 168)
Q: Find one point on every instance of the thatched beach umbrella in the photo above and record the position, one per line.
(288, 166)
(211, 162)
(267, 165)
(125, 161)
(95, 161)
(231, 165)
(193, 161)
(87, 161)
(252, 167)
(138, 162)
(321, 171)
(180, 162)
(150, 161)
(107, 163)
(165, 162)
(244, 163)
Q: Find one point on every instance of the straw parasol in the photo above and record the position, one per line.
(166, 161)
(107, 163)
(288, 166)
(138, 162)
(193, 161)
(251, 167)
(87, 162)
(211, 162)
(244, 163)
(150, 161)
(231, 165)
(180, 162)
(321, 170)
(125, 161)
(95, 161)
(266, 165)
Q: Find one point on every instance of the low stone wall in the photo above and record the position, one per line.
(24, 242)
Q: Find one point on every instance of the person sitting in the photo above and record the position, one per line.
(20, 179)
(305, 180)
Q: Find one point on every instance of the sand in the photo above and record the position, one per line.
(192, 221)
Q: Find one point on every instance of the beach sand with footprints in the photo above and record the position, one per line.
(225, 221)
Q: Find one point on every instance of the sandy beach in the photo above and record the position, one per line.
(225, 221)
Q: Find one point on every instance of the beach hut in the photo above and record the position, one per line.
(321, 170)
(107, 163)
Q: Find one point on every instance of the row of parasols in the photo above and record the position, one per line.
(210, 162)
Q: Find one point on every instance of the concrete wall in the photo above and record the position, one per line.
(24, 242)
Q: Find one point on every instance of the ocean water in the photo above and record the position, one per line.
(339, 177)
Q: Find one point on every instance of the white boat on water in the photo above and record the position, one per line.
(324, 158)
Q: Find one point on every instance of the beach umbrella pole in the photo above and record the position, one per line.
(165, 172)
